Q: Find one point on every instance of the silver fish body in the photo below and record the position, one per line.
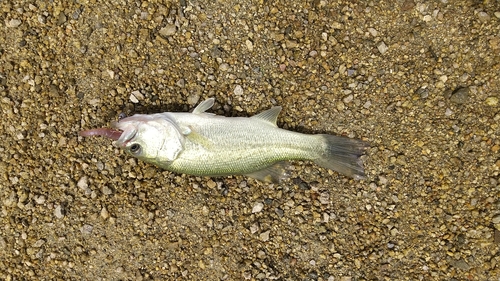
(205, 144)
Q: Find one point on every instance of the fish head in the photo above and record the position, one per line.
(152, 138)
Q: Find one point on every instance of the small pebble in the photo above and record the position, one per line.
(492, 101)
(238, 90)
(211, 184)
(224, 67)
(14, 23)
(87, 229)
(249, 45)
(496, 219)
(257, 208)
(193, 99)
(460, 95)
(83, 183)
(58, 212)
(39, 243)
(254, 228)
(136, 96)
(382, 47)
(348, 99)
(104, 213)
(40, 199)
(168, 30)
(448, 112)
(483, 16)
(373, 32)
(264, 236)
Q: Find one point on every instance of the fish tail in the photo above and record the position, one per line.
(342, 154)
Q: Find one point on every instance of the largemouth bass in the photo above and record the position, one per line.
(205, 144)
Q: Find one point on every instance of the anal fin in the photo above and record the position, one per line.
(273, 174)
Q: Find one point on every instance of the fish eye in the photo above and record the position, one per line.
(135, 148)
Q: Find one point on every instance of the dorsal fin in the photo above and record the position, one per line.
(204, 106)
(269, 116)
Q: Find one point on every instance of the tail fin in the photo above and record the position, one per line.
(342, 154)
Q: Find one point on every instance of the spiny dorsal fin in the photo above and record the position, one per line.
(204, 106)
(269, 116)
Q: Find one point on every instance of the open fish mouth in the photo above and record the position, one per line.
(113, 134)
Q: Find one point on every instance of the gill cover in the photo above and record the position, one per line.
(153, 138)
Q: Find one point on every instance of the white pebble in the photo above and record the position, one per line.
(257, 208)
(14, 23)
(87, 229)
(448, 112)
(83, 183)
(264, 236)
(58, 212)
(238, 90)
(40, 199)
(136, 96)
(249, 45)
(373, 31)
(168, 30)
(223, 67)
(382, 48)
(254, 228)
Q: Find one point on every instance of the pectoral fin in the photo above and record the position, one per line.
(204, 106)
(274, 174)
(197, 138)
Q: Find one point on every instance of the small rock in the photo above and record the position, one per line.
(59, 212)
(483, 17)
(224, 67)
(461, 263)
(136, 96)
(83, 182)
(14, 23)
(40, 199)
(39, 243)
(348, 99)
(61, 19)
(181, 83)
(264, 236)
(211, 184)
(324, 198)
(238, 90)
(193, 99)
(496, 219)
(373, 31)
(257, 208)
(382, 48)
(492, 101)
(460, 95)
(106, 190)
(340, 105)
(254, 228)
(104, 213)
(87, 229)
(249, 45)
(168, 30)
(394, 231)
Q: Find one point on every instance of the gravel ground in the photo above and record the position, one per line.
(417, 79)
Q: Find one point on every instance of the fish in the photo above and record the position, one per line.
(200, 143)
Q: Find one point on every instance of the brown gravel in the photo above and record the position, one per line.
(417, 79)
